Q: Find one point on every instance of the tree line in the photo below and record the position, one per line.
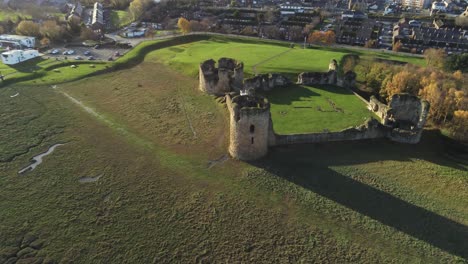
(446, 89)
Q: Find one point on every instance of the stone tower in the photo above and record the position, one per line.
(225, 78)
(250, 126)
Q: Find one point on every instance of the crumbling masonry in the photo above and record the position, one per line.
(251, 127)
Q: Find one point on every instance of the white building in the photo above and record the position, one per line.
(416, 4)
(17, 56)
(439, 6)
(18, 41)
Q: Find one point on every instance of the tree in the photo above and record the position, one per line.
(397, 46)
(138, 7)
(150, 33)
(326, 38)
(45, 42)
(404, 81)
(459, 126)
(457, 62)
(271, 32)
(435, 57)
(74, 24)
(184, 25)
(315, 37)
(349, 62)
(51, 30)
(461, 21)
(120, 4)
(1, 30)
(295, 33)
(248, 31)
(88, 34)
(329, 38)
(28, 28)
(369, 44)
(309, 28)
(197, 26)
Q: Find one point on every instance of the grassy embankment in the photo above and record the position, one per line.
(160, 199)
(6, 14)
(120, 18)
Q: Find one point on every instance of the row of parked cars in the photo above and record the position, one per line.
(87, 54)
(71, 52)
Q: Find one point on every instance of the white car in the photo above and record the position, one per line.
(54, 52)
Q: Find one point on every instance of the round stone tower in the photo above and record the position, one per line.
(250, 126)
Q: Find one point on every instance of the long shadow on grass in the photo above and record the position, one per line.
(287, 95)
(309, 167)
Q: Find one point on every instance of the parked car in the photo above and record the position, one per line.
(91, 58)
(116, 54)
(87, 53)
(97, 46)
(54, 52)
(110, 59)
(71, 52)
(78, 58)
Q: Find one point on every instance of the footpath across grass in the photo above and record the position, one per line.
(305, 109)
(341, 202)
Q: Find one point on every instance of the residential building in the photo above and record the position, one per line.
(416, 4)
(97, 19)
(17, 41)
(16, 56)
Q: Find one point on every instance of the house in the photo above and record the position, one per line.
(97, 19)
(16, 56)
(17, 41)
(452, 39)
(76, 12)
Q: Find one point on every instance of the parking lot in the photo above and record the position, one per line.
(86, 53)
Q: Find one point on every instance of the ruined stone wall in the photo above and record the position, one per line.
(370, 130)
(408, 108)
(250, 127)
(379, 108)
(314, 78)
(266, 82)
(227, 77)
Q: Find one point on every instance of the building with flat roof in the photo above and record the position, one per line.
(16, 56)
(17, 41)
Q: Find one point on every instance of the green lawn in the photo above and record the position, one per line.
(49, 71)
(160, 200)
(11, 14)
(120, 18)
(187, 57)
(305, 109)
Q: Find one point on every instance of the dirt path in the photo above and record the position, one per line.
(254, 68)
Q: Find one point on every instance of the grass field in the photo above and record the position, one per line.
(13, 15)
(166, 196)
(185, 58)
(266, 56)
(49, 71)
(303, 109)
(120, 18)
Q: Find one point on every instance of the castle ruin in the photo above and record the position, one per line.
(227, 77)
(251, 127)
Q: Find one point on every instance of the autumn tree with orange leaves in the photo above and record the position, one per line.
(322, 38)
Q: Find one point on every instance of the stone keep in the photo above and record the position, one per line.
(250, 126)
(227, 77)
